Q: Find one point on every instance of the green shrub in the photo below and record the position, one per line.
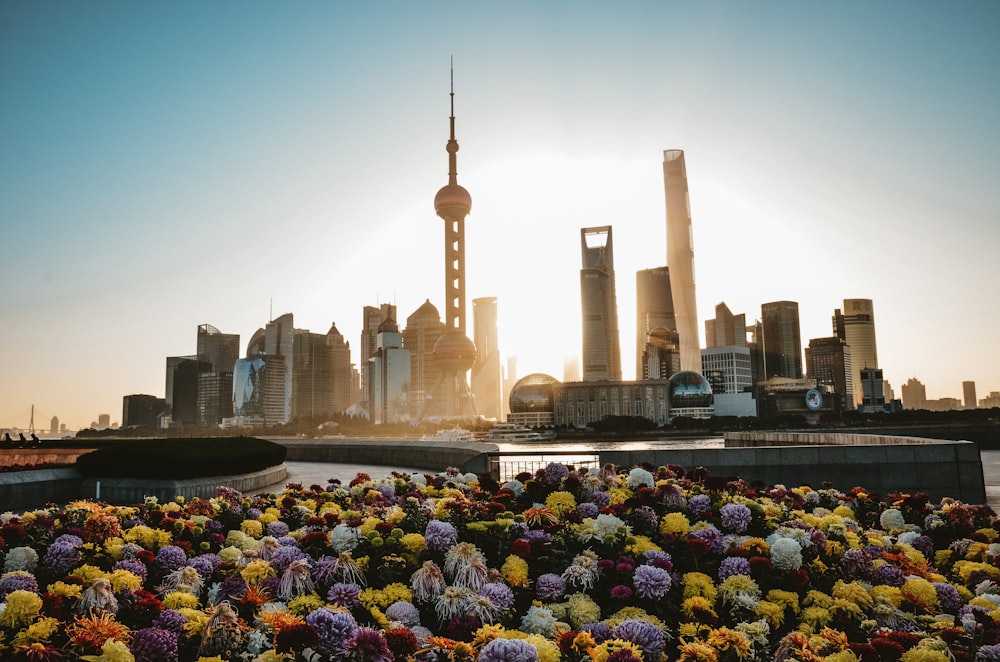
(181, 458)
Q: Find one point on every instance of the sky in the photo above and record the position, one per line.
(166, 165)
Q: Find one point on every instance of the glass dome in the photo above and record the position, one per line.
(533, 394)
(689, 389)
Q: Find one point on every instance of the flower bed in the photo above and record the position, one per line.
(580, 566)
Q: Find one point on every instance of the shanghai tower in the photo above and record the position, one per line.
(680, 258)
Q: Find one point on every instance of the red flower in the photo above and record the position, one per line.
(521, 547)
(402, 643)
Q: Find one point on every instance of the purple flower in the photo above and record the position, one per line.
(856, 562)
(988, 653)
(333, 629)
(889, 575)
(170, 620)
(659, 559)
(17, 582)
(733, 565)
(69, 539)
(368, 644)
(555, 472)
(924, 545)
(499, 594)
(700, 504)
(643, 634)
(171, 557)
(550, 587)
(735, 517)
(61, 557)
(535, 536)
(602, 499)
(205, 564)
(277, 529)
(283, 557)
(440, 536)
(644, 519)
(587, 509)
(508, 650)
(713, 538)
(621, 592)
(651, 582)
(599, 631)
(948, 596)
(231, 588)
(154, 645)
(385, 490)
(405, 613)
(133, 566)
(344, 594)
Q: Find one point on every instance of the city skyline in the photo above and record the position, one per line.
(163, 167)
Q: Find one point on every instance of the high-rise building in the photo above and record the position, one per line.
(969, 394)
(372, 318)
(389, 376)
(855, 325)
(103, 421)
(54, 423)
(726, 330)
(661, 356)
(914, 394)
(138, 411)
(729, 371)
(423, 329)
(312, 375)
(279, 343)
(654, 309)
(680, 257)
(454, 353)
(601, 347)
(219, 352)
(828, 361)
(781, 342)
(486, 379)
(344, 388)
(872, 390)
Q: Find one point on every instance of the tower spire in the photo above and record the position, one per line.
(452, 142)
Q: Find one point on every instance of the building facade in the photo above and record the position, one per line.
(138, 411)
(969, 394)
(726, 330)
(371, 319)
(914, 394)
(828, 361)
(781, 341)
(654, 309)
(599, 306)
(389, 376)
(855, 325)
(486, 378)
(578, 404)
(680, 257)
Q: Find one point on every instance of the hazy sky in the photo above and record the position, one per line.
(165, 165)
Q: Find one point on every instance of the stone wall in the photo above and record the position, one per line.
(884, 465)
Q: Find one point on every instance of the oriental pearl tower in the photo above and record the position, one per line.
(454, 352)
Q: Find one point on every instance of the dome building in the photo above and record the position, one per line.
(532, 401)
(690, 395)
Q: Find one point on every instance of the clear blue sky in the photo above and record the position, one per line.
(165, 165)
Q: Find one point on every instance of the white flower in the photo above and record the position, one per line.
(639, 477)
(786, 554)
(892, 519)
(21, 558)
(539, 620)
(344, 538)
(455, 601)
(515, 486)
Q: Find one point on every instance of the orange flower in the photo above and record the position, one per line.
(540, 516)
(280, 619)
(255, 595)
(90, 632)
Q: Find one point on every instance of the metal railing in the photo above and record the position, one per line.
(507, 465)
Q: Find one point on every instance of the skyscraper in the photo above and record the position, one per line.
(856, 326)
(680, 257)
(969, 394)
(828, 361)
(372, 318)
(601, 348)
(726, 330)
(389, 376)
(454, 353)
(654, 309)
(215, 386)
(423, 329)
(914, 394)
(486, 378)
(781, 342)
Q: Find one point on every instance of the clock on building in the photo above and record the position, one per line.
(814, 399)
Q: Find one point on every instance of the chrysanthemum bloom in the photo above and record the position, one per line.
(700, 504)
(22, 608)
(439, 536)
(17, 580)
(427, 582)
(454, 601)
(186, 579)
(735, 517)
(639, 477)
(499, 593)
(295, 580)
(651, 582)
(61, 557)
(643, 634)
(733, 565)
(616, 649)
(333, 628)
(369, 645)
(675, 524)
(739, 591)
(515, 571)
(581, 609)
(20, 558)
(555, 472)
(466, 565)
(256, 571)
(344, 594)
(786, 554)
(404, 613)
(550, 587)
(508, 650)
(172, 620)
(402, 643)
(171, 557)
(154, 645)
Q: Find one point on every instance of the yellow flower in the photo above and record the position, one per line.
(515, 571)
(487, 633)
(699, 584)
(88, 573)
(112, 651)
(725, 639)
(561, 502)
(177, 599)
(305, 604)
(889, 594)
(990, 534)
(22, 608)
(697, 651)
(787, 599)
(854, 591)
(413, 543)
(257, 571)
(698, 607)
(813, 619)
(771, 612)
(601, 652)
(675, 524)
(122, 579)
(641, 545)
(64, 590)
(920, 593)
(252, 528)
(816, 598)
(581, 609)
(38, 632)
